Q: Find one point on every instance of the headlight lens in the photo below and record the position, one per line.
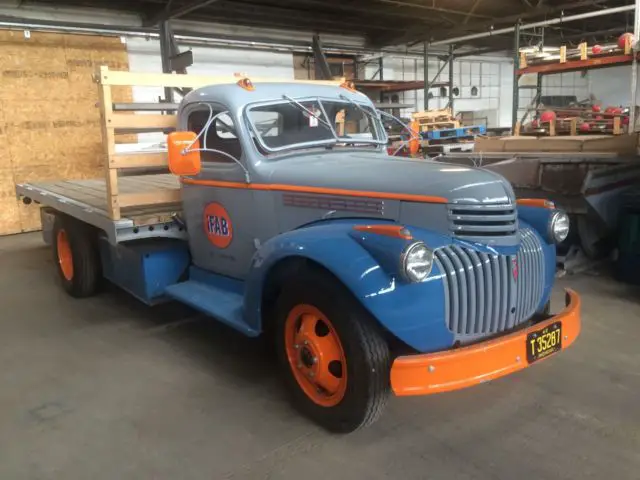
(416, 262)
(559, 226)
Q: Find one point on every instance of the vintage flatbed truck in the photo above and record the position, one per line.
(284, 216)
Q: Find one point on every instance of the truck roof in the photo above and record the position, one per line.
(235, 97)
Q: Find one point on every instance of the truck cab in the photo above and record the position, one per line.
(370, 274)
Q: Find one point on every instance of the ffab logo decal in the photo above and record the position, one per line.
(217, 225)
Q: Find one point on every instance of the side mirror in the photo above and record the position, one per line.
(184, 153)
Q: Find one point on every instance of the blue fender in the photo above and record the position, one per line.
(538, 218)
(367, 265)
(412, 312)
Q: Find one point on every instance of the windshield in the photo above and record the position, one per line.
(294, 123)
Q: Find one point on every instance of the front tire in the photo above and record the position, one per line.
(335, 361)
(76, 257)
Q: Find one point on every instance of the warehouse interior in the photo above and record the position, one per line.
(540, 93)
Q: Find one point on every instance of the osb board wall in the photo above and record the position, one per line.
(49, 117)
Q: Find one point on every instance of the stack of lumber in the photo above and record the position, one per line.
(624, 145)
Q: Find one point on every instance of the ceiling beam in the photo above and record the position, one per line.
(239, 12)
(471, 11)
(363, 9)
(414, 36)
(168, 13)
(319, 25)
(433, 8)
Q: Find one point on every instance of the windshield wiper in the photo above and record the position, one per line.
(311, 113)
(368, 114)
(412, 133)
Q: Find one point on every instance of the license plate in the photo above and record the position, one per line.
(544, 342)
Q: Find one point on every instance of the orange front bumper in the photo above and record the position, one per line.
(478, 363)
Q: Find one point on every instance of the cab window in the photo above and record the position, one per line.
(221, 135)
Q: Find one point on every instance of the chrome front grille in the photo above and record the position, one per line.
(486, 294)
(473, 221)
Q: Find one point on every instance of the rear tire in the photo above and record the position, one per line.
(76, 257)
(335, 362)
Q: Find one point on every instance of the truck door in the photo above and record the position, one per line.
(217, 215)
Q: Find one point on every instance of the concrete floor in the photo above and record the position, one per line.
(106, 388)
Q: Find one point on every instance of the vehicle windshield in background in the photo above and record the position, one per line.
(307, 123)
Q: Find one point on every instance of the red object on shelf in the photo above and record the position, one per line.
(625, 120)
(584, 127)
(548, 116)
(535, 123)
(613, 111)
(623, 38)
(599, 117)
(596, 108)
(596, 49)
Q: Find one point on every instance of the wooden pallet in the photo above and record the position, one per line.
(436, 120)
(117, 121)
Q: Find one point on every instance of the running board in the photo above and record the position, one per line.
(220, 303)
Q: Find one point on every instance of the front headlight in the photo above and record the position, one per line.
(559, 226)
(416, 262)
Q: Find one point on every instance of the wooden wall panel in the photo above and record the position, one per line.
(49, 115)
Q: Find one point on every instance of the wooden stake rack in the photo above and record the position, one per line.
(114, 122)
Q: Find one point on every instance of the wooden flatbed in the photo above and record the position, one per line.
(87, 201)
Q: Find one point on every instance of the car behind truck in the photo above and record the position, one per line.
(284, 216)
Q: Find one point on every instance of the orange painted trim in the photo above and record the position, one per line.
(320, 190)
(396, 231)
(479, 363)
(536, 202)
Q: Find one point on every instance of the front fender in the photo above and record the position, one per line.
(414, 313)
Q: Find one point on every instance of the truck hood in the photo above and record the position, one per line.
(376, 172)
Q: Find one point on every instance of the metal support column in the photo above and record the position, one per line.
(451, 47)
(426, 76)
(165, 54)
(538, 90)
(634, 70)
(516, 64)
(381, 70)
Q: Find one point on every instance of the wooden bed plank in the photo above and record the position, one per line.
(127, 121)
(138, 160)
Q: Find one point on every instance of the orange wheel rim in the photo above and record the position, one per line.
(65, 259)
(315, 355)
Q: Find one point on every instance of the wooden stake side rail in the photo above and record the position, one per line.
(114, 122)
